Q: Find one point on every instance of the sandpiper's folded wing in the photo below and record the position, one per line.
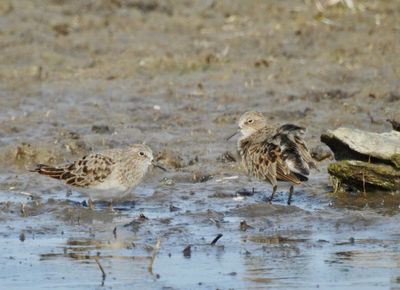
(90, 170)
(294, 149)
(264, 161)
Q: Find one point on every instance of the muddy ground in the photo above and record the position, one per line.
(81, 76)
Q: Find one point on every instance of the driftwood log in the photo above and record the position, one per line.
(365, 160)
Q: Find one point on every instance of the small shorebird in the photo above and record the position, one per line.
(107, 174)
(273, 153)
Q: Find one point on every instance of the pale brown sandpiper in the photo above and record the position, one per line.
(105, 175)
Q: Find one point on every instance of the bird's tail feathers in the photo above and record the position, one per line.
(48, 170)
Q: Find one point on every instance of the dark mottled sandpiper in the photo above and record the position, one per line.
(273, 153)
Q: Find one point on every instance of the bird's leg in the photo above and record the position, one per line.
(90, 204)
(290, 195)
(110, 205)
(274, 188)
(252, 191)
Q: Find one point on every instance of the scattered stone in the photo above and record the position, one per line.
(22, 236)
(66, 134)
(322, 241)
(261, 62)
(219, 194)
(169, 159)
(61, 29)
(150, 6)
(232, 274)
(226, 157)
(335, 94)
(245, 192)
(321, 152)
(187, 251)
(173, 208)
(244, 226)
(101, 129)
(200, 177)
(167, 181)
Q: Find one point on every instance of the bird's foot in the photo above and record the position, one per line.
(274, 188)
(90, 204)
(267, 199)
(289, 201)
(110, 206)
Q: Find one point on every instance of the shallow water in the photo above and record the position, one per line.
(295, 246)
(177, 77)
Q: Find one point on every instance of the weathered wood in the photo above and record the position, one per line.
(395, 124)
(366, 160)
(366, 175)
(356, 144)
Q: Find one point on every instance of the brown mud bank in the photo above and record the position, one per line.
(83, 76)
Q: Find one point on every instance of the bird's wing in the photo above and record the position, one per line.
(292, 129)
(263, 160)
(287, 161)
(294, 149)
(283, 173)
(304, 152)
(90, 170)
(271, 160)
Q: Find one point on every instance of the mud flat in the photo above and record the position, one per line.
(79, 76)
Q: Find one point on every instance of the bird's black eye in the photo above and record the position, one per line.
(250, 121)
(141, 153)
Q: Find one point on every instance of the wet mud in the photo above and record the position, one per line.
(82, 76)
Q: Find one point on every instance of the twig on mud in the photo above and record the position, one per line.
(153, 256)
(216, 239)
(102, 271)
(335, 184)
(22, 210)
(115, 232)
(363, 177)
(26, 193)
(372, 119)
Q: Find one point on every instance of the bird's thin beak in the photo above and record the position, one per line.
(236, 132)
(157, 165)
